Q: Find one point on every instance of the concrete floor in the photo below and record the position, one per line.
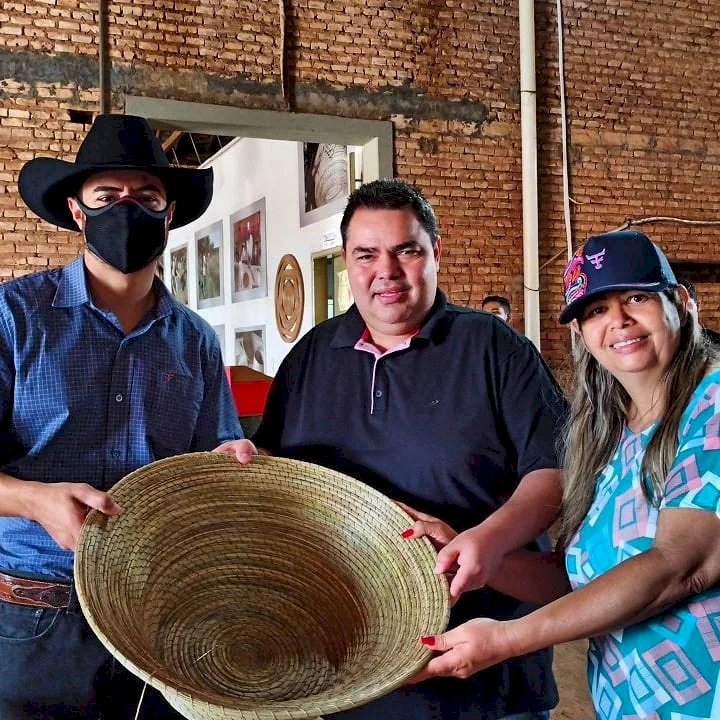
(570, 668)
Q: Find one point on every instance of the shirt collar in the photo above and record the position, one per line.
(352, 326)
(73, 290)
(165, 301)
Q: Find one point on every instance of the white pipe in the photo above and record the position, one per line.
(563, 127)
(531, 273)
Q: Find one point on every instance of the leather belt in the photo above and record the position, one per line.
(34, 593)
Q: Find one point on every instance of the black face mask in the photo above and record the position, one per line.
(125, 234)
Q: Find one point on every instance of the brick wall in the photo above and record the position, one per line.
(641, 91)
(641, 104)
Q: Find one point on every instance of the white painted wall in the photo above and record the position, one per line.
(247, 170)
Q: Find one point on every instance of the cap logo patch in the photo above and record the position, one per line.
(597, 259)
(574, 279)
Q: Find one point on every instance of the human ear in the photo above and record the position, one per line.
(577, 330)
(687, 304)
(77, 214)
(170, 213)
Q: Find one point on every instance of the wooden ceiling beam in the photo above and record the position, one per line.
(172, 140)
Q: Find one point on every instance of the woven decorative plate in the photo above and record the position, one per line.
(289, 298)
(274, 590)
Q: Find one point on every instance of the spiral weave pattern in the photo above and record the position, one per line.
(271, 591)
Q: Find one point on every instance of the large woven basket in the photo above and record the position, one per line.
(274, 590)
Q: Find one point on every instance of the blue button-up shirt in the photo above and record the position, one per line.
(81, 401)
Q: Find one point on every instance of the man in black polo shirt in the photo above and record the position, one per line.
(446, 409)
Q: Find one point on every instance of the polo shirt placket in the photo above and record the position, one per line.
(378, 388)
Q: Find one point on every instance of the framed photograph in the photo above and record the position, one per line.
(324, 180)
(160, 267)
(179, 273)
(250, 347)
(208, 243)
(249, 252)
(220, 332)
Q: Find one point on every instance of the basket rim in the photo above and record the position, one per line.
(206, 703)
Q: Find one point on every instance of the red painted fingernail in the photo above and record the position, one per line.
(429, 641)
(408, 533)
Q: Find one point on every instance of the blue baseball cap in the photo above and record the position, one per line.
(620, 260)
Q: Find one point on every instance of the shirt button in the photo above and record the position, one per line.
(118, 398)
(115, 453)
(378, 393)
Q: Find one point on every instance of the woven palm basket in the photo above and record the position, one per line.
(271, 591)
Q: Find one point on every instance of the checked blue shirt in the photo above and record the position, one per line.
(80, 401)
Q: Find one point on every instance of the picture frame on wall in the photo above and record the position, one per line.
(160, 267)
(250, 347)
(178, 280)
(249, 252)
(324, 180)
(220, 332)
(209, 270)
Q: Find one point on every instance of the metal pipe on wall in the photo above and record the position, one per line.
(531, 273)
(104, 57)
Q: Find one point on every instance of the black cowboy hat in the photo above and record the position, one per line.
(114, 142)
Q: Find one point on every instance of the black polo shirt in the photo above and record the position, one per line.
(449, 425)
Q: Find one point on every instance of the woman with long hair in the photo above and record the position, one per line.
(639, 532)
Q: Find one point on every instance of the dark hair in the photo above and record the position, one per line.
(390, 194)
(500, 300)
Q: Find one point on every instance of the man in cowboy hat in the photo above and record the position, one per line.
(101, 372)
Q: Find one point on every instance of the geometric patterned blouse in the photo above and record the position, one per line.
(667, 667)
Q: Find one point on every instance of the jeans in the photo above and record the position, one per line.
(52, 667)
